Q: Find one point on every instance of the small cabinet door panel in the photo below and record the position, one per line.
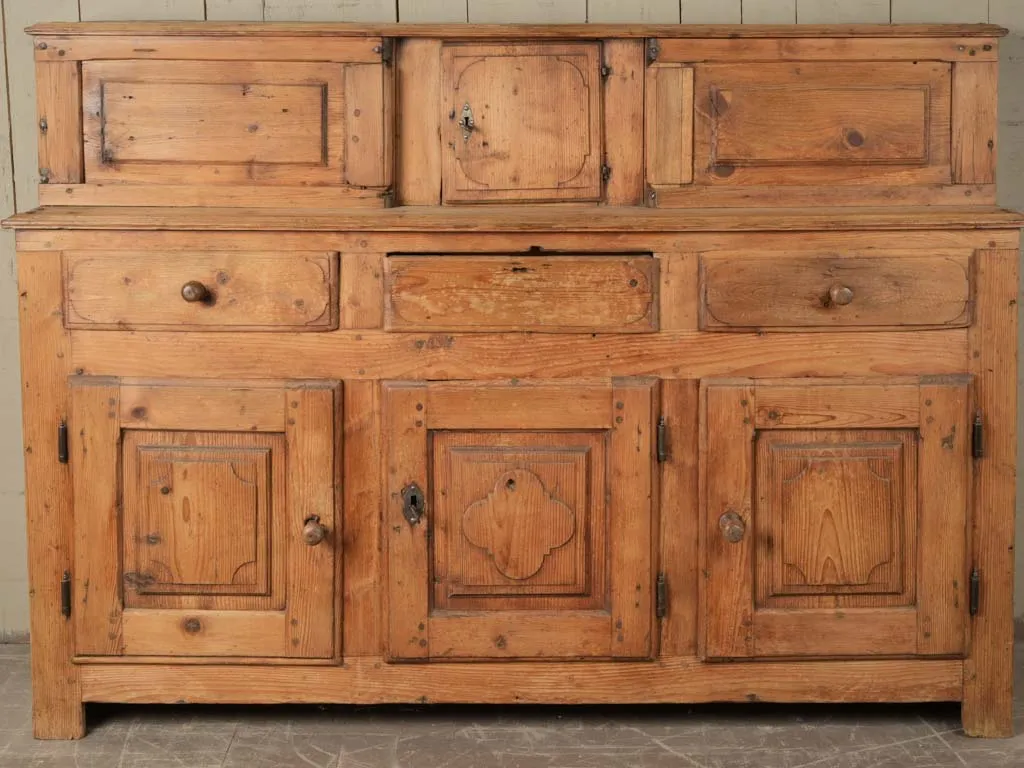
(236, 123)
(826, 507)
(820, 122)
(190, 531)
(532, 537)
(522, 122)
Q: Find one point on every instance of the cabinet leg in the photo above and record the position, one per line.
(58, 712)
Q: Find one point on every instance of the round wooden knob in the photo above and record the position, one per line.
(733, 527)
(193, 291)
(313, 532)
(840, 295)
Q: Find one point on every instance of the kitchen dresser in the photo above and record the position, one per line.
(518, 364)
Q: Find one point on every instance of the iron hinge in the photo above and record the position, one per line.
(975, 600)
(44, 125)
(386, 49)
(652, 197)
(662, 440)
(653, 49)
(606, 71)
(65, 595)
(978, 437)
(44, 175)
(661, 596)
(388, 196)
(62, 442)
(606, 173)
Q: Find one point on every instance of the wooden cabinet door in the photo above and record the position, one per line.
(518, 520)
(193, 502)
(522, 122)
(835, 517)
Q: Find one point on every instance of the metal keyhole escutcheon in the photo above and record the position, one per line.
(467, 122)
(414, 503)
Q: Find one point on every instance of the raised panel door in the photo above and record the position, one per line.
(532, 533)
(205, 520)
(522, 122)
(835, 517)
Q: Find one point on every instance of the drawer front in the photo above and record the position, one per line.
(821, 123)
(522, 122)
(786, 291)
(555, 294)
(205, 291)
(246, 123)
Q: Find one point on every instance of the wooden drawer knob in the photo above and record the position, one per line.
(313, 532)
(194, 291)
(733, 527)
(840, 295)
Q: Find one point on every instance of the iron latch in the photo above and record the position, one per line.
(662, 440)
(978, 437)
(62, 442)
(386, 49)
(661, 596)
(65, 595)
(653, 50)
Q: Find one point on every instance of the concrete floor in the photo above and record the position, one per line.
(740, 736)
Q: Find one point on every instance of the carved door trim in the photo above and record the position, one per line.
(900, 586)
(603, 606)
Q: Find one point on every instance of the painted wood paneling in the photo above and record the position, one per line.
(711, 12)
(110, 10)
(432, 10)
(234, 10)
(527, 11)
(769, 11)
(842, 11)
(939, 11)
(329, 10)
(620, 11)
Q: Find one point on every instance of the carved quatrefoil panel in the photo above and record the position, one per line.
(519, 523)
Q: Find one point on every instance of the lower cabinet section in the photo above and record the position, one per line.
(518, 520)
(204, 518)
(835, 517)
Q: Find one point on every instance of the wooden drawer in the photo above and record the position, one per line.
(226, 291)
(554, 294)
(788, 291)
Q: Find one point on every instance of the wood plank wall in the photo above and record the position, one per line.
(19, 172)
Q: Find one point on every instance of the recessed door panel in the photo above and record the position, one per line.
(826, 504)
(204, 539)
(532, 535)
(522, 121)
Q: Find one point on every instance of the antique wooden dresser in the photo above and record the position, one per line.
(518, 364)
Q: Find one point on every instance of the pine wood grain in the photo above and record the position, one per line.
(509, 219)
(975, 122)
(624, 121)
(546, 30)
(829, 48)
(57, 711)
(419, 140)
(988, 678)
(552, 294)
(59, 107)
(362, 290)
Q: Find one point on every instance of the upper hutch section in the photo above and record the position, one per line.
(339, 115)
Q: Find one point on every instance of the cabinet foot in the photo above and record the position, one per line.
(57, 717)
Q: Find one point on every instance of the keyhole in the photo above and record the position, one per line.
(510, 484)
(414, 500)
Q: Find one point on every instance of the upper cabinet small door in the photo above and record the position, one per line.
(251, 124)
(518, 520)
(204, 518)
(835, 517)
(522, 122)
(818, 124)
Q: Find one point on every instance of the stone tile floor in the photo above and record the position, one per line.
(740, 736)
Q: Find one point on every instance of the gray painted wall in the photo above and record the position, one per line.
(18, 151)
